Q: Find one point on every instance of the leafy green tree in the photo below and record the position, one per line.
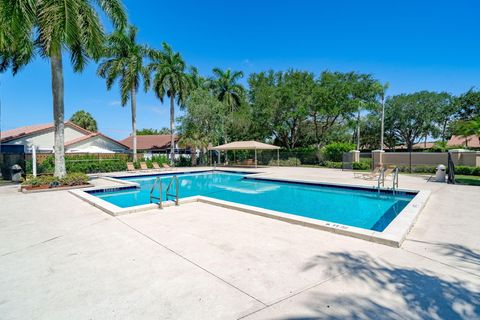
(52, 28)
(150, 131)
(411, 117)
(204, 115)
(466, 128)
(124, 61)
(225, 86)
(281, 103)
(84, 120)
(170, 79)
(195, 141)
(332, 104)
(468, 105)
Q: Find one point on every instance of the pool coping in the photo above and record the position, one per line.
(393, 235)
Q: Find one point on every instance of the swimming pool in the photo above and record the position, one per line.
(357, 207)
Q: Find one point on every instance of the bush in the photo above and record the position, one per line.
(71, 179)
(333, 164)
(183, 162)
(468, 171)
(362, 165)
(334, 151)
(82, 163)
(290, 162)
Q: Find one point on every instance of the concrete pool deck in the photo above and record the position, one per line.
(63, 258)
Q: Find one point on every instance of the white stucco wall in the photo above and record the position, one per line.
(44, 140)
(99, 142)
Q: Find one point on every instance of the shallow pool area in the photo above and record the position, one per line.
(357, 207)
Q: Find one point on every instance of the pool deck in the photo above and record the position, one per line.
(62, 258)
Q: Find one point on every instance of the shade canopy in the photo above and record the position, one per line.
(245, 145)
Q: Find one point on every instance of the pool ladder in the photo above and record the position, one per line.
(158, 181)
(381, 180)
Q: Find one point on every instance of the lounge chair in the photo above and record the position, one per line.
(166, 167)
(155, 166)
(143, 166)
(369, 175)
(130, 166)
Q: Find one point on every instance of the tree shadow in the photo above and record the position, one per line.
(457, 251)
(422, 294)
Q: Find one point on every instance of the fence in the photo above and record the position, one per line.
(266, 158)
(7, 160)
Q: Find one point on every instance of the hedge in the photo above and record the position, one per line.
(83, 163)
(335, 151)
(71, 179)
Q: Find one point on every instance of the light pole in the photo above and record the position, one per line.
(382, 126)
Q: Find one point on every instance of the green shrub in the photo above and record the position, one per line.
(183, 162)
(290, 162)
(362, 165)
(468, 171)
(333, 164)
(334, 151)
(71, 179)
(82, 163)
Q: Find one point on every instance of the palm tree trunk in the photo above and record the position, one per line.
(172, 129)
(358, 129)
(58, 112)
(133, 101)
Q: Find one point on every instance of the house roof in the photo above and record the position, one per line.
(473, 141)
(246, 145)
(157, 141)
(92, 135)
(34, 129)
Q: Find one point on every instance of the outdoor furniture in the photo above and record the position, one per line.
(166, 166)
(130, 166)
(369, 175)
(155, 166)
(143, 166)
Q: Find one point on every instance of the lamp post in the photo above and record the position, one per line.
(382, 126)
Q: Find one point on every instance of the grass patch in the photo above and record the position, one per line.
(467, 180)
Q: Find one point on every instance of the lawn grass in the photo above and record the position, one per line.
(468, 180)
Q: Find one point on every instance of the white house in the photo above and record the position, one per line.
(77, 140)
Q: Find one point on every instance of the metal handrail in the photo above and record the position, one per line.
(167, 194)
(159, 198)
(395, 180)
(381, 179)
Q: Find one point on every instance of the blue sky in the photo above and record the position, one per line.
(414, 45)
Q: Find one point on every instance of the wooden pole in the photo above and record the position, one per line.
(255, 158)
(278, 157)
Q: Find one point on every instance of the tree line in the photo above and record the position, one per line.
(290, 108)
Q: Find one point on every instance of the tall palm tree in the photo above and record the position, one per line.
(170, 79)
(124, 60)
(51, 28)
(224, 85)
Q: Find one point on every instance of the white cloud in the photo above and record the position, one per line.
(115, 103)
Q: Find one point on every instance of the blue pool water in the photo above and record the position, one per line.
(349, 206)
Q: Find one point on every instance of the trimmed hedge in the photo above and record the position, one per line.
(333, 164)
(83, 163)
(71, 179)
(290, 162)
(362, 165)
(468, 171)
(334, 151)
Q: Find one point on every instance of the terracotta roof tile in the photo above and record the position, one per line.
(28, 130)
(147, 142)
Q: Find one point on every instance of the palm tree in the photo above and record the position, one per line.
(50, 28)
(224, 85)
(171, 80)
(124, 60)
(194, 141)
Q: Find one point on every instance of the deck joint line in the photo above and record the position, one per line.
(188, 260)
